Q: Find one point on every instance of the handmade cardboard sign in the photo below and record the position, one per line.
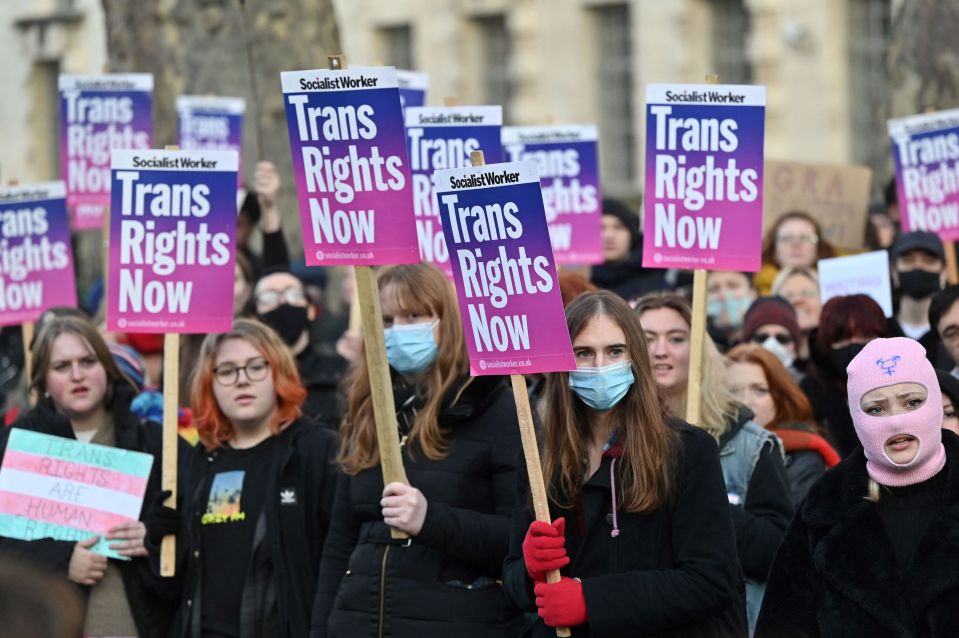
(704, 176)
(350, 166)
(569, 174)
(925, 150)
(867, 274)
(36, 261)
(495, 225)
(209, 123)
(99, 113)
(172, 241)
(442, 138)
(835, 195)
(413, 86)
(52, 487)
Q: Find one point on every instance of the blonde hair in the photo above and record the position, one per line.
(788, 273)
(872, 491)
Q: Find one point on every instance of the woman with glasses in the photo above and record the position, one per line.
(460, 443)
(751, 456)
(760, 382)
(256, 493)
(800, 287)
(794, 241)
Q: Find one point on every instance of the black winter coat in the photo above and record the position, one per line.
(445, 581)
(628, 278)
(151, 598)
(836, 574)
(289, 536)
(671, 573)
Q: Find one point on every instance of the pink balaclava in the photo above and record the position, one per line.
(885, 362)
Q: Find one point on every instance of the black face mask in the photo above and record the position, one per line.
(842, 357)
(288, 321)
(919, 284)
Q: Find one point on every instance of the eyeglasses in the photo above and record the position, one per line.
(269, 299)
(803, 238)
(782, 338)
(228, 374)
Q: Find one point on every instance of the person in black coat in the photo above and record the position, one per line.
(872, 550)
(256, 497)
(642, 533)
(460, 442)
(83, 395)
(622, 268)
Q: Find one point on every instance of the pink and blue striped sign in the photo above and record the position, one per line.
(704, 176)
(53, 487)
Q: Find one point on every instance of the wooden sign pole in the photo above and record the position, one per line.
(697, 334)
(534, 469)
(952, 269)
(171, 408)
(381, 386)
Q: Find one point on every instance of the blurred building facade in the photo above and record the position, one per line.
(823, 63)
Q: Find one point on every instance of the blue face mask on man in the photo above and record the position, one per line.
(602, 388)
(728, 311)
(412, 348)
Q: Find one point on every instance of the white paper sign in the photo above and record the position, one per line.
(866, 274)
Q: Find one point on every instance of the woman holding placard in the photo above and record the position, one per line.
(752, 457)
(256, 496)
(641, 531)
(460, 441)
(82, 395)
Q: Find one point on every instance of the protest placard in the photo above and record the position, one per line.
(704, 176)
(835, 195)
(413, 86)
(99, 113)
(36, 261)
(569, 174)
(925, 151)
(53, 487)
(866, 273)
(442, 138)
(210, 123)
(495, 225)
(172, 238)
(350, 166)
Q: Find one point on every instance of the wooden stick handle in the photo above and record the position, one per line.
(26, 334)
(697, 339)
(168, 479)
(952, 270)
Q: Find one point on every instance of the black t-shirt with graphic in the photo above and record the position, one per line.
(233, 506)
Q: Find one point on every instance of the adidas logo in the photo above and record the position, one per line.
(288, 497)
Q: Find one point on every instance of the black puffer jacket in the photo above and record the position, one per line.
(151, 598)
(445, 581)
(672, 572)
(281, 576)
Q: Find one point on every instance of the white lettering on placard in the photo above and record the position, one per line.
(35, 253)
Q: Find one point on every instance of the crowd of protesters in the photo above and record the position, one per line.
(816, 494)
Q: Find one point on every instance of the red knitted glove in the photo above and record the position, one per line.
(561, 604)
(544, 548)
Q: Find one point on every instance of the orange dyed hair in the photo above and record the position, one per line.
(572, 284)
(791, 403)
(211, 424)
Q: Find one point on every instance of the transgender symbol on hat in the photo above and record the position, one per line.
(888, 365)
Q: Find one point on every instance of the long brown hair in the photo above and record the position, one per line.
(649, 443)
(791, 403)
(421, 289)
(211, 424)
(42, 351)
(717, 405)
(824, 250)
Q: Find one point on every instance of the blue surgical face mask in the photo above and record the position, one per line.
(411, 348)
(602, 388)
(735, 309)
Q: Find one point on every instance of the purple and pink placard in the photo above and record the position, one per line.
(925, 150)
(350, 166)
(211, 123)
(441, 138)
(172, 241)
(704, 176)
(413, 86)
(98, 114)
(569, 173)
(36, 261)
(512, 312)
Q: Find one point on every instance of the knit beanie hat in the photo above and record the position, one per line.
(886, 362)
(770, 310)
(621, 211)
